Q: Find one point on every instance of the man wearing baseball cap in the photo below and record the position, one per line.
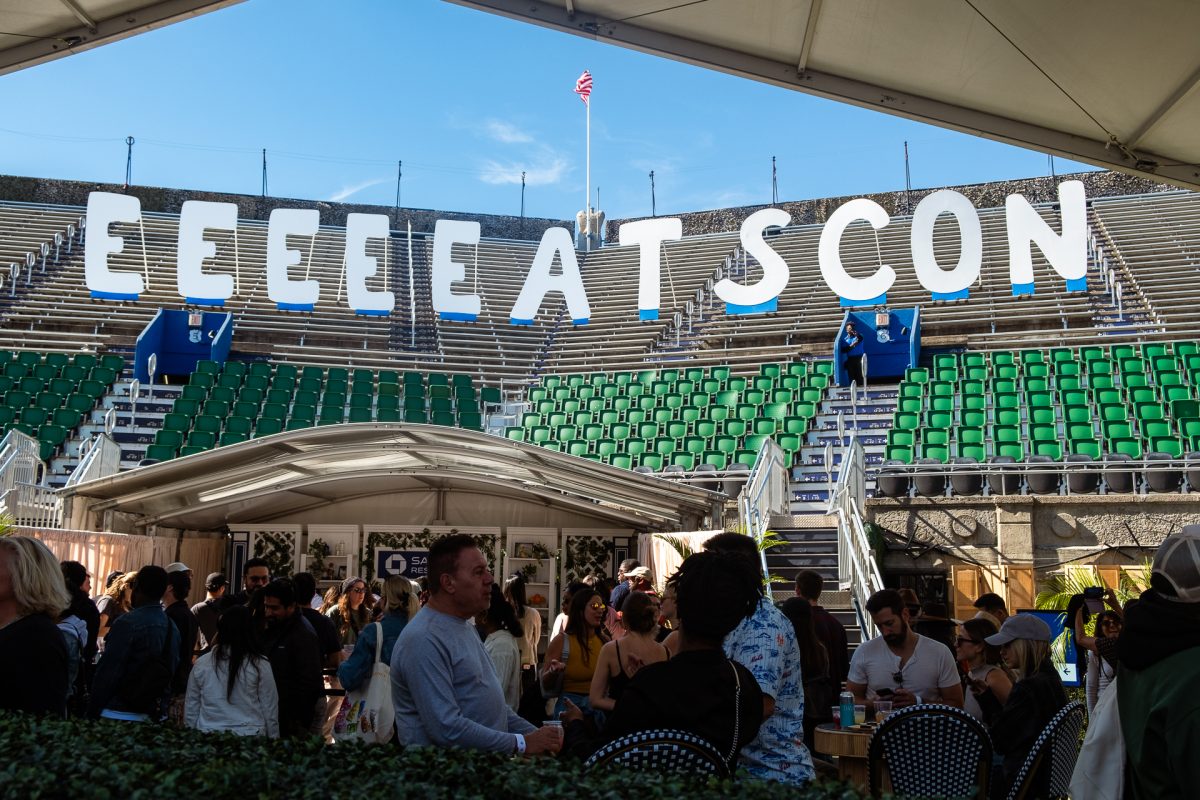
(207, 612)
(1158, 681)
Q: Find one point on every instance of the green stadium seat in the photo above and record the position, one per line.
(898, 453)
(169, 438)
(231, 437)
(969, 450)
(161, 452)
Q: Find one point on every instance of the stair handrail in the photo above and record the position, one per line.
(102, 459)
(765, 494)
(33, 505)
(857, 570)
(20, 460)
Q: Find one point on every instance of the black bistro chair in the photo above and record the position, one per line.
(1058, 745)
(932, 750)
(662, 750)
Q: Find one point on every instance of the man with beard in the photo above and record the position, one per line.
(295, 655)
(444, 686)
(900, 665)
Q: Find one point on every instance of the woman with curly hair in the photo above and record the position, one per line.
(351, 614)
(116, 601)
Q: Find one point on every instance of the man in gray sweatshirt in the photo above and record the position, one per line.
(444, 687)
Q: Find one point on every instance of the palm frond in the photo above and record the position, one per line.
(678, 544)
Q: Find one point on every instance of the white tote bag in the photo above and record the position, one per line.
(1100, 769)
(367, 713)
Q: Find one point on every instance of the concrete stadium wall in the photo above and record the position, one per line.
(170, 201)
(982, 195)
(1041, 531)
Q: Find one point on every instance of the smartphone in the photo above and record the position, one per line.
(1093, 598)
(883, 694)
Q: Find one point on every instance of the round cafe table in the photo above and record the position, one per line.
(850, 747)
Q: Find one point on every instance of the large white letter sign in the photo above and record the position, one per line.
(539, 281)
(763, 296)
(1067, 253)
(446, 233)
(196, 286)
(360, 266)
(853, 291)
(290, 295)
(955, 284)
(105, 208)
(649, 234)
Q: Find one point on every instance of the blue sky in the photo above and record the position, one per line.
(339, 92)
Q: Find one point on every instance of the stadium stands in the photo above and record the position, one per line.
(49, 395)
(680, 418)
(676, 392)
(231, 403)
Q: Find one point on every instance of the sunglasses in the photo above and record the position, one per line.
(898, 678)
(597, 606)
(358, 590)
(965, 640)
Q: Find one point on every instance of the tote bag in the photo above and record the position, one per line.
(367, 713)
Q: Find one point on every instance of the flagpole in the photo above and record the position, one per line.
(588, 201)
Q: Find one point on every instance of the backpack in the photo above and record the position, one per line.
(143, 688)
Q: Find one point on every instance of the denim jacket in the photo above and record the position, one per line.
(357, 668)
(133, 639)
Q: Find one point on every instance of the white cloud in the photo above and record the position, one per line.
(548, 169)
(353, 189)
(506, 132)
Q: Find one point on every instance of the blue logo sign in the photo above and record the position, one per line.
(409, 563)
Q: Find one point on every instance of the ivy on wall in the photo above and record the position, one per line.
(276, 548)
(416, 541)
(587, 555)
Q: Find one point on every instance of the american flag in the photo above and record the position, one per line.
(583, 86)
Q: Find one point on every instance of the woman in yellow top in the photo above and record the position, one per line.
(583, 638)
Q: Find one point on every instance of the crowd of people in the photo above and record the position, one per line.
(713, 655)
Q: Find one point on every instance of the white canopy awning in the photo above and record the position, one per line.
(395, 474)
(36, 31)
(1107, 82)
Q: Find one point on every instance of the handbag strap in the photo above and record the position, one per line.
(378, 641)
(737, 713)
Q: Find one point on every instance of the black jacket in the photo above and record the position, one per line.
(1032, 704)
(295, 660)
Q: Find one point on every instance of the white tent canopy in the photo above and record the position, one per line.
(36, 31)
(1106, 82)
(389, 473)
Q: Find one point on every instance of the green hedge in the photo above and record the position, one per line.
(129, 761)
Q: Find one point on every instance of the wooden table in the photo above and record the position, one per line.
(850, 747)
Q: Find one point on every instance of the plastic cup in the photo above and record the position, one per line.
(882, 709)
(860, 715)
(836, 713)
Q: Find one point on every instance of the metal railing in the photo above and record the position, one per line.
(23, 495)
(101, 458)
(33, 505)
(857, 570)
(20, 461)
(766, 493)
